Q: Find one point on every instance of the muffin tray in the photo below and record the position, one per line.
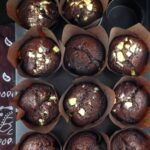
(121, 13)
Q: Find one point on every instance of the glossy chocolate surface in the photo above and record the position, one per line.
(40, 103)
(37, 13)
(86, 141)
(128, 55)
(39, 57)
(85, 103)
(130, 139)
(37, 141)
(84, 55)
(131, 102)
(82, 12)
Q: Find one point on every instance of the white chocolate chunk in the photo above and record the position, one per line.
(133, 48)
(120, 45)
(31, 55)
(120, 57)
(80, 6)
(87, 2)
(133, 72)
(83, 86)
(45, 3)
(129, 53)
(120, 64)
(131, 42)
(96, 89)
(128, 105)
(127, 46)
(90, 7)
(47, 61)
(114, 54)
(81, 112)
(72, 101)
(53, 98)
(122, 96)
(38, 55)
(56, 49)
(45, 112)
(49, 103)
(40, 50)
(126, 39)
(40, 17)
(41, 122)
(85, 18)
(114, 110)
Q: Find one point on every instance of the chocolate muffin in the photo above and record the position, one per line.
(84, 55)
(39, 56)
(130, 139)
(127, 55)
(82, 12)
(40, 103)
(37, 13)
(86, 140)
(131, 102)
(37, 141)
(85, 103)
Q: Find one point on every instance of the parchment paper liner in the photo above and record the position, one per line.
(11, 8)
(94, 23)
(97, 32)
(19, 116)
(134, 128)
(33, 32)
(30, 133)
(137, 30)
(110, 95)
(145, 122)
(104, 136)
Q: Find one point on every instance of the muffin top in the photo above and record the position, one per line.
(37, 141)
(85, 103)
(84, 55)
(39, 56)
(86, 140)
(82, 12)
(130, 139)
(128, 55)
(40, 103)
(131, 102)
(37, 13)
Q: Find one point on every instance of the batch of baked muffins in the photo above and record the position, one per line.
(84, 51)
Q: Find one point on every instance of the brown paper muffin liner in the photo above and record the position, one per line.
(96, 132)
(137, 30)
(96, 32)
(11, 8)
(16, 147)
(94, 23)
(110, 95)
(134, 128)
(33, 32)
(20, 113)
(145, 122)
